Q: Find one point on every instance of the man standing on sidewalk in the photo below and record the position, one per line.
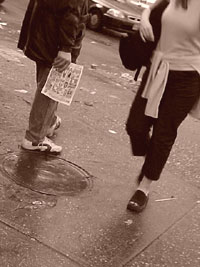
(51, 35)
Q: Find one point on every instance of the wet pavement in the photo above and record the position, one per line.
(45, 174)
(71, 210)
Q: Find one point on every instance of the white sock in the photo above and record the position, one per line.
(145, 185)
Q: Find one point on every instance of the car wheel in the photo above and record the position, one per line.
(95, 21)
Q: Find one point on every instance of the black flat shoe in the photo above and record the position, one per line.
(138, 201)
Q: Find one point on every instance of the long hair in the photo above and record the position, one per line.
(183, 3)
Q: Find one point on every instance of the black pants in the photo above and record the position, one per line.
(182, 91)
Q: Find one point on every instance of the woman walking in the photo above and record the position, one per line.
(169, 91)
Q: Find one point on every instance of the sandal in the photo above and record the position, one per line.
(138, 201)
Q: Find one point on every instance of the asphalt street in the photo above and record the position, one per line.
(70, 211)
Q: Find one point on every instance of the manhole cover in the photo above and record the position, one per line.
(45, 173)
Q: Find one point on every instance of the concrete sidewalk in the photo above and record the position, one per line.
(90, 228)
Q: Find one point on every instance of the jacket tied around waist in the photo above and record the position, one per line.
(158, 76)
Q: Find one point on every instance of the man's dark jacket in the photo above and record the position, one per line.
(50, 26)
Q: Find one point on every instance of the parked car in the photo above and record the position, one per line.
(119, 15)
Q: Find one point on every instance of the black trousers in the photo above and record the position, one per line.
(181, 92)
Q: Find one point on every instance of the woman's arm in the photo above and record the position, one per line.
(146, 31)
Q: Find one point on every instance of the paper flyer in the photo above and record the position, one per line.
(61, 86)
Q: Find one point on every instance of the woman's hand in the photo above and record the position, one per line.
(146, 30)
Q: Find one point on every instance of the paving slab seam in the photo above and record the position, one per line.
(76, 261)
(124, 264)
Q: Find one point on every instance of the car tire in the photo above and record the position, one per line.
(96, 19)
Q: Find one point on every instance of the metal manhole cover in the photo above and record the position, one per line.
(46, 174)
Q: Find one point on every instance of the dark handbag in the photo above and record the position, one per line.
(134, 52)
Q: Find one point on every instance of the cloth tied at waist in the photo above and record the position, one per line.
(158, 75)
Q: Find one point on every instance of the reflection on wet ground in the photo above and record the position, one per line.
(45, 173)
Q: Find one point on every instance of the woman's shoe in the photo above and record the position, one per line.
(138, 201)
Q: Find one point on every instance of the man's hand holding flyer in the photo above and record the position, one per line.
(61, 86)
